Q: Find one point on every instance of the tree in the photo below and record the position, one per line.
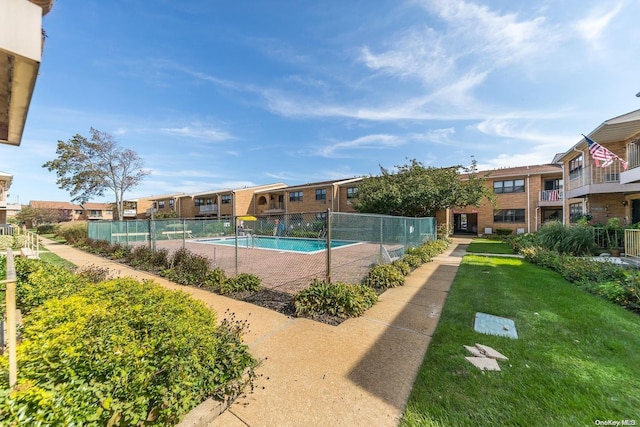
(88, 167)
(419, 191)
(37, 216)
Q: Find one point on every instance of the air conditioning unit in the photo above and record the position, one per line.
(488, 230)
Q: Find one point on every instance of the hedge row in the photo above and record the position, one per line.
(118, 352)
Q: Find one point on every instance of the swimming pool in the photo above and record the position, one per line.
(283, 244)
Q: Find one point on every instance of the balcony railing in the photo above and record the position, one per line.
(595, 175)
(208, 209)
(633, 155)
(551, 196)
(129, 213)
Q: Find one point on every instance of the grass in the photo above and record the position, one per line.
(55, 238)
(52, 258)
(577, 358)
(489, 246)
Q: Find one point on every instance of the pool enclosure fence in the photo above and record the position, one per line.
(235, 244)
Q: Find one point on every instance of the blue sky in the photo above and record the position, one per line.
(229, 94)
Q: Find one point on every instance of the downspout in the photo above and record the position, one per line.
(564, 195)
(529, 203)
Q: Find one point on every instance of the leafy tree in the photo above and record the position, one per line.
(88, 167)
(419, 191)
(37, 216)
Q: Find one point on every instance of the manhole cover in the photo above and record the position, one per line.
(494, 325)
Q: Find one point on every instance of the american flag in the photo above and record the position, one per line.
(600, 153)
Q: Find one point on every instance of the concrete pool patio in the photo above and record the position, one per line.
(359, 373)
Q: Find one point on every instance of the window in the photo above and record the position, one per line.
(225, 199)
(96, 213)
(172, 202)
(510, 186)
(198, 202)
(352, 192)
(575, 211)
(321, 194)
(552, 184)
(161, 204)
(321, 216)
(575, 167)
(295, 196)
(508, 215)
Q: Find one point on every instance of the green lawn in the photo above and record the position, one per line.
(489, 246)
(577, 358)
(52, 258)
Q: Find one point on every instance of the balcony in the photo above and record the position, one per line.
(632, 174)
(208, 209)
(598, 180)
(129, 213)
(550, 198)
(275, 208)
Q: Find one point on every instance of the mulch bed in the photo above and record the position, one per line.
(281, 302)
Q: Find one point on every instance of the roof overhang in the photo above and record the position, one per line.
(617, 129)
(21, 41)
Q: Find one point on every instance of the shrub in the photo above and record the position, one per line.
(73, 232)
(146, 258)
(414, 261)
(384, 276)
(94, 274)
(46, 229)
(336, 299)
(38, 281)
(403, 267)
(421, 252)
(240, 283)
(187, 268)
(123, 353)
(503, 231)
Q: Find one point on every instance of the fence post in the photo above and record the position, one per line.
(328, 222)
(12, 339)
(235, 231)
(184, 233)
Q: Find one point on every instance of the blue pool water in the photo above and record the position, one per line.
(277, 243)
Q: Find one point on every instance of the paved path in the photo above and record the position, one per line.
(359, 373)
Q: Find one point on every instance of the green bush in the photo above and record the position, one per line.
(38, 281)
(73, 232)
(335, 299)
(414, 261)
(503, 231)
(384, 276)
(123, 353)
(188, 268)
(403, 267)
(46, 229)
(148, 259)
(421, 252)
(240, 283)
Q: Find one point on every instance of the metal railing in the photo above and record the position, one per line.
(633, 155)
(11, 318)
(595, 175)
(287, 251)
(632, 243)
(551, 196)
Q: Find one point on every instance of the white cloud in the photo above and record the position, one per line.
(365, 142)
(437, 136)
(594, 25)
(198, 133)
(513, 130)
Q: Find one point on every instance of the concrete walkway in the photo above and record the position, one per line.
(359, 373)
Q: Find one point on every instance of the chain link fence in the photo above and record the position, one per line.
(286, 251)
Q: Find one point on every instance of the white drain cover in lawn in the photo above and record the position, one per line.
(494, 325)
